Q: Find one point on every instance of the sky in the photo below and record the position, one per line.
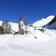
(32, 10)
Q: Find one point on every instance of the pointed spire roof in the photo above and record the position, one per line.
(20, 18)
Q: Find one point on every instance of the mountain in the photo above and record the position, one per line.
(43, 21)
(49, 22)
(52, 21)
(52, 24)
(35, 43)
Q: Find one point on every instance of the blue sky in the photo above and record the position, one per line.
(32, 10)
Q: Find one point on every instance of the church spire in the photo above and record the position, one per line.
(20, 18)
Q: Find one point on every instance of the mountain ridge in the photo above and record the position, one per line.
(43, 21)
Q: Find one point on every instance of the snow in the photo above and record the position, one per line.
(13, 25)
(43, 21)
(1, 22)
(27, 45)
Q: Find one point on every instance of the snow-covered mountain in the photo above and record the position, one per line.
(49, 22)
(35, 43)
(52, 24)
(43, 21)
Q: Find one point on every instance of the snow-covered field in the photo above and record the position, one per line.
(27, 45)
(35, 43)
